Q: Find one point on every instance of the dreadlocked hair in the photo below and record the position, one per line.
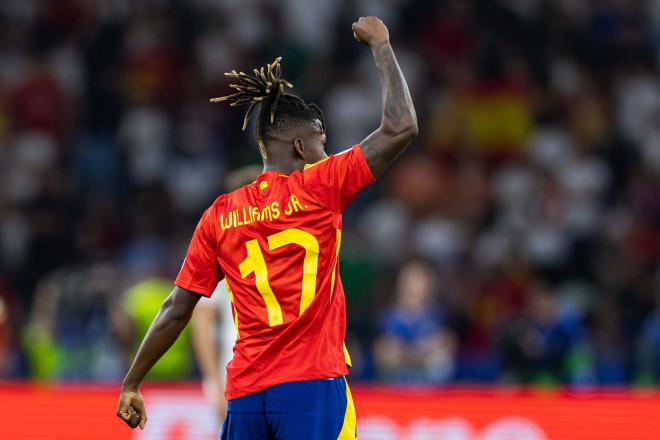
(277, 110)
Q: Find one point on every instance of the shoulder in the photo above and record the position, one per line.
(334, 166)
(220, 201)
(337, 179)
(344, 155)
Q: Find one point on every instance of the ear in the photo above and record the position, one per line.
(299, 148)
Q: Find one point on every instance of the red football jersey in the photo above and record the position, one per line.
(276, 242)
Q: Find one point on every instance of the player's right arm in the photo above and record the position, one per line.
(398, 125)
(172, 317)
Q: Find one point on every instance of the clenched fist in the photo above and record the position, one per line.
(131, 408)
(371, 31)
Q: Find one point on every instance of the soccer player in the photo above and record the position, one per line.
(276, 244)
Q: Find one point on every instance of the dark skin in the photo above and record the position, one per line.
(288, 151)
(293, 149)
(398, 126)
(173, 316)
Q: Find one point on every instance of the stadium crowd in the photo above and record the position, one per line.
(517, 241)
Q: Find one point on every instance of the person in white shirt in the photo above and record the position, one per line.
(213, 331)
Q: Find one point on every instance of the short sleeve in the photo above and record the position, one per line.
(200, 272)
(336, 180)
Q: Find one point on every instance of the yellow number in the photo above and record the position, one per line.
(310, 264)
(255, 263)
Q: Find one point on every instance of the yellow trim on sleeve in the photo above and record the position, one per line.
(310, 165)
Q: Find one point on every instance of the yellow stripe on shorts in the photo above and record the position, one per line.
(348, 429)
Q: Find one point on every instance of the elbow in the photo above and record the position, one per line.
(403, 129)
(408, 133)
(180, 314)
(175, 312)
(412, 130)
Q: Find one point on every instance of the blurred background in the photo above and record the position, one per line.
(516, 242)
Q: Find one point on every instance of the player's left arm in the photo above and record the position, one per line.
(398, 125)
(173, 316)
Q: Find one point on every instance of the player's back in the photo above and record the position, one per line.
(276, 241)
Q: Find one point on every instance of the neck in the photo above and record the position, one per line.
(281, 158)
(282, 167)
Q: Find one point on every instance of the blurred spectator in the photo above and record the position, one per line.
(7, 352)
(141, 303)
(548, 344)
(648, 349)
(73, 329)
(415, 344)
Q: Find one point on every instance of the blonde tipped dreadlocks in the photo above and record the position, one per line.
(278, 110)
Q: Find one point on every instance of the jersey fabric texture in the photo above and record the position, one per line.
(319, 409)
(276, 242)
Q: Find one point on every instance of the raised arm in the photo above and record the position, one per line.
(170, 321)
(398, 126)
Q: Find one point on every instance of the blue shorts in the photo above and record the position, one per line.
(314, 409)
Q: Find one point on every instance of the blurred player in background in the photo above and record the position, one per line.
(276, 243)
(213, 331)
